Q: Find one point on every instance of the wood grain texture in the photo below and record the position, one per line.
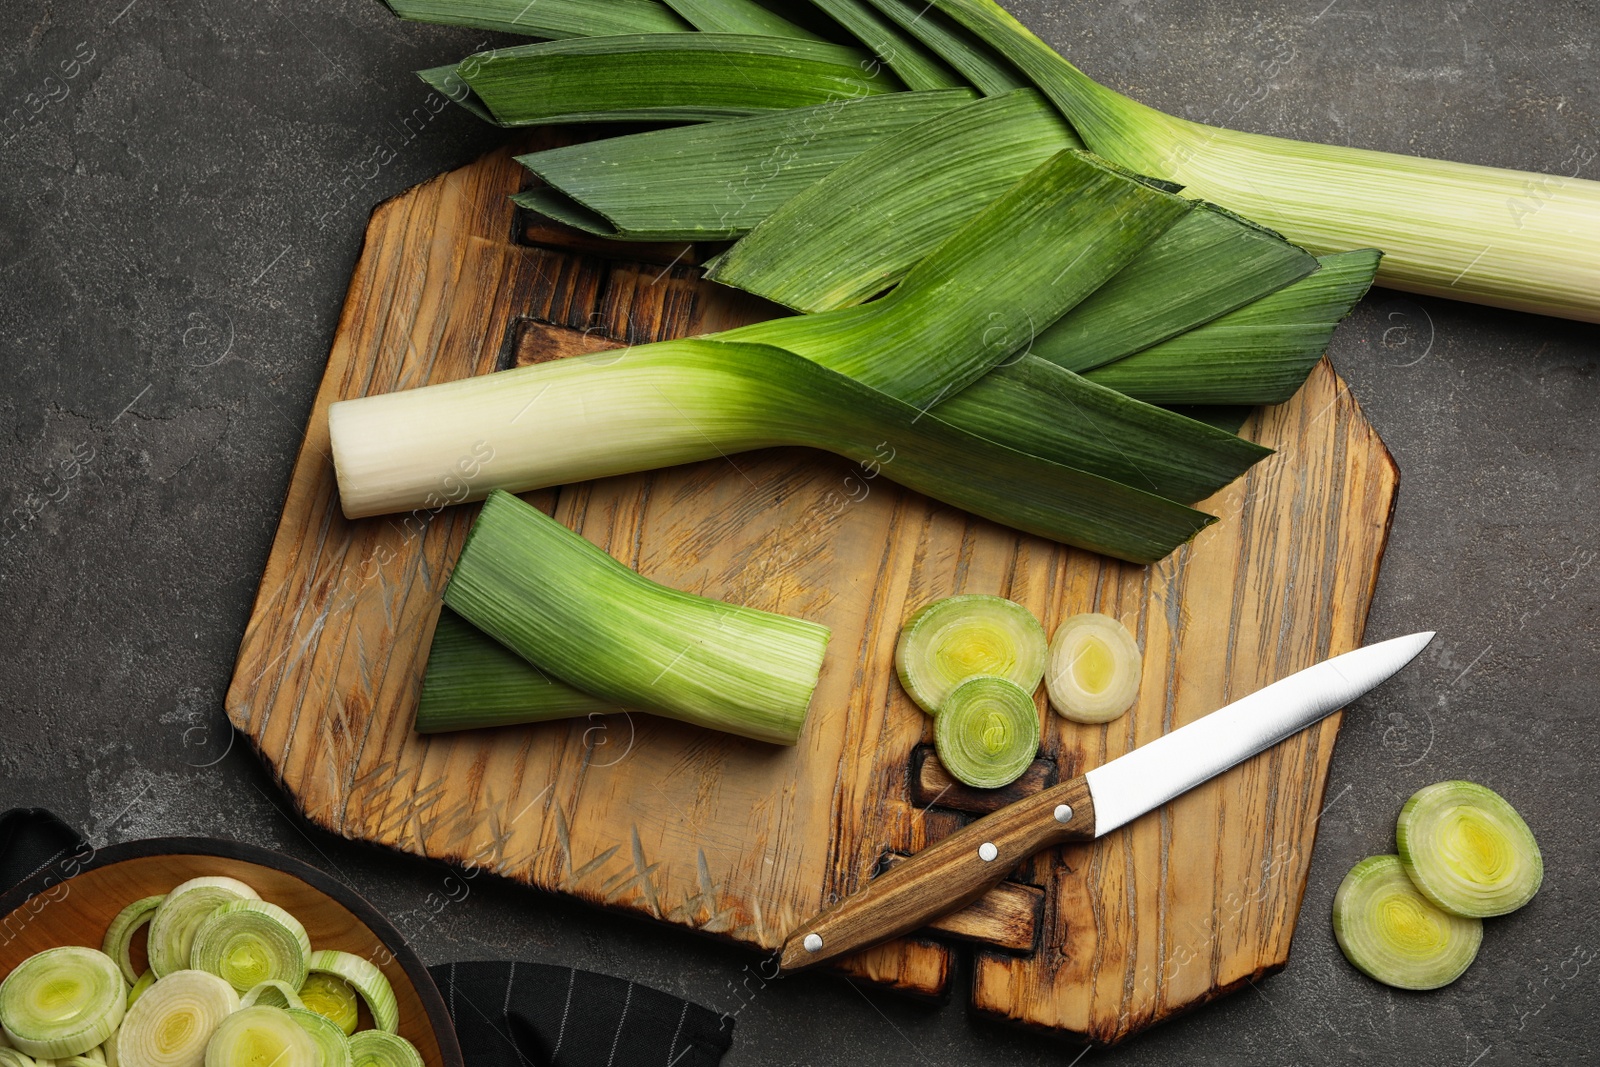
(743, 840)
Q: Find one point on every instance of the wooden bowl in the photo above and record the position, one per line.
(71, 901)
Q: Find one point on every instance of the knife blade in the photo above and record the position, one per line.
(957, 870)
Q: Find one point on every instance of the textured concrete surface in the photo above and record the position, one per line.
(183, 190)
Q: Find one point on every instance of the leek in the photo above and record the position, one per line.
(472, 682)
(248, 942)
(172, 1022)
(1467, 850)
(960, 637)
(261, 1037)
(272, 993)
(331, 997)
(665, 77)
(1393, 934)
(188, 905)
(62, 1002)
(1094, 670)
(145, 981)
(552, 19)
(1501, 237)
(566, 606)
(977, 62)
(719, 179)
(987, 732)
(738, 16)
(860, 230)
(918, 67)
(374, 1048)
(364, 977)
(119, 935)
(1259, 354)
(326, 1034)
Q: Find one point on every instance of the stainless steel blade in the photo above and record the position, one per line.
(1153, 774)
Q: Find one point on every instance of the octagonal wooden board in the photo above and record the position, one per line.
(743, 840)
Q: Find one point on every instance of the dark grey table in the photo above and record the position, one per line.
(181, 202)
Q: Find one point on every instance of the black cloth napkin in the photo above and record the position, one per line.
(507, 1014)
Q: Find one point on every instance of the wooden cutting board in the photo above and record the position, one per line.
(744, 840)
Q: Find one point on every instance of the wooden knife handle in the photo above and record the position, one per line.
(943, 877)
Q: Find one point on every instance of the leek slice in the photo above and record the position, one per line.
(1467, 850)
(331, 997)
(987, 732)
(665, 77)
(261, 1037)
(738, 16)
(918, 67)
(247, 942)
(62, 1002)
(1095, 667)
(1209, 263)
(1048, 242)
(119, 935)
(961, 637)
(978, 62)
(172, 1022)
(1259, 354)
(1037, 407)
(10, 1057)
(271, 993)
(1393, 934)
(472, 681)
(553, 19)
(681, 401)
(326, 1034)
(365, 978)
(146, 980)
(861, 229)
(173, 926)
(564, 604)
(374, 1048)
(716, 180)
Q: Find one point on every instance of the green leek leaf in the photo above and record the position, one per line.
(982, 65)
(716, 180)
(1258, 354)
(738, 16)
(689, 77)
(552, 19)
(858, 231)
(1051, 240)
(906, 56)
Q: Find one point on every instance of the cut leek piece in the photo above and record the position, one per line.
(248, 942)
(987, 732)
(474, 681)
(10, 1057)
(374, 1048)
(261, 1037)
(1209, 263)
(271, 993)
(918, 67)
(119, 935)
(680, 401)
(961, 637)
(738, 16)
(551, 19)
(172, 1022)
(448, 81)
(365, 978)
(716, 180)
(562, 603)
(1094, 670)
(860, 230)
(326, 1034)
(978, 62)
(1467, 850)
(665, 77)
(62, 1002)
(1046, 243)
(189, 904)
(1393, 934)
(135, 991)
(1259, 354)
(331, 997)
(1037, 407)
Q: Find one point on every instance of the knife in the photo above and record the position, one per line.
(962, 867)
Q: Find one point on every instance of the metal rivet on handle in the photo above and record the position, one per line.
(987, 852)
(1063, 813)
(813, 943)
